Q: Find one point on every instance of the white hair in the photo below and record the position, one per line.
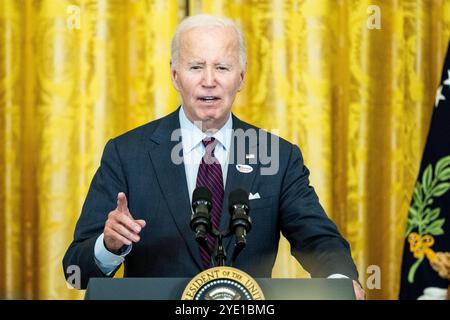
(205, 21)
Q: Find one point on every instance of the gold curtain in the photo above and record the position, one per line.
(357, 100)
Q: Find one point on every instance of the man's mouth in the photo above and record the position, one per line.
(209, 99)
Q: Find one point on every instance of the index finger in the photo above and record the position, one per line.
(122, 203)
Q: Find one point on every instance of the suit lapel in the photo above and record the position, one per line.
(235, 178)
(172, 180)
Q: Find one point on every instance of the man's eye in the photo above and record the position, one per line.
(195, 67)
(221, 68)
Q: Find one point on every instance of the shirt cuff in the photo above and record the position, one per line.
(105, 259)
(337, 276)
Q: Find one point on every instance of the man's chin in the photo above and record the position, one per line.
(210, 115)
(210, 122)
(210, 118)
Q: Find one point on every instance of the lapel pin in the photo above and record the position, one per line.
(243, 168)
(250, 156)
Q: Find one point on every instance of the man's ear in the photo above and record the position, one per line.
(241, 78)
(174, 75)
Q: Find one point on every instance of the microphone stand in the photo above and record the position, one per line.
(220, 255)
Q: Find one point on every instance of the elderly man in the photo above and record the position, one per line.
(138, 210)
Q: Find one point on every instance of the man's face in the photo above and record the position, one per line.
(208, 74)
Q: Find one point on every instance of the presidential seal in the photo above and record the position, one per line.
(222, 283)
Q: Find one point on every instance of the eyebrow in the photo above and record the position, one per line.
(204, 63)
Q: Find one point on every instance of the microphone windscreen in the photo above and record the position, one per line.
(201, 193)
(238, 196)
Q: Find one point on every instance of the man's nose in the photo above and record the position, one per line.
(209, 77)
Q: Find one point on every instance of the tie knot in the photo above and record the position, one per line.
(210, 144)
(208, 141)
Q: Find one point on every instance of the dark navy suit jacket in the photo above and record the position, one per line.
(139, 164)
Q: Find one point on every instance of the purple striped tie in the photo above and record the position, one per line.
(210, 176)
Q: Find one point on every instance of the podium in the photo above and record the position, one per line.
(172, 289)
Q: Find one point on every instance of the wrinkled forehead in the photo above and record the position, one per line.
(205, 41)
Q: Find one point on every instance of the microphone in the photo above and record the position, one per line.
(200, 219)
(240, 222)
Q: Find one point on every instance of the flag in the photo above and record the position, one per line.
(426, 254)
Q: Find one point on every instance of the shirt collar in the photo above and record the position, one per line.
(192, 135)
